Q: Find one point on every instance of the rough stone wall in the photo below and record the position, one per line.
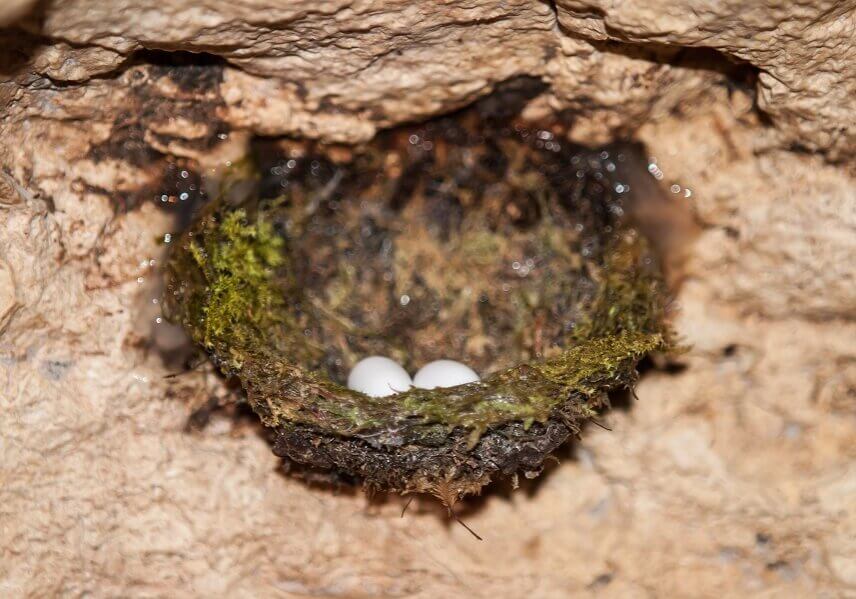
(732, 477)
(340, 69)
(804, 53)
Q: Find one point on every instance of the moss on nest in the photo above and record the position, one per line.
(236, 268)
(274, 286)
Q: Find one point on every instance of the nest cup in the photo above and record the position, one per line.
(487, 241)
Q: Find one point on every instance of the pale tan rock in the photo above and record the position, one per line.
(12, 10)
(610, 94)
(61, 62)
(297, 68)
(8, 300)
(805, 53)
(783, 225)
(733, 477)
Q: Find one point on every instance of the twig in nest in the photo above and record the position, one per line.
(406, 505)
(603, 426)
(448, 496)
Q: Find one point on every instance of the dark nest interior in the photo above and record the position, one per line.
(477, 237)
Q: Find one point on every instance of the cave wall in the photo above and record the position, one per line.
(731, 477)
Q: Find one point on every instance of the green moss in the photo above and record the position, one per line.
(237, 264)
(232, 292)
(287, 292)
(630, 294)
(244, 316)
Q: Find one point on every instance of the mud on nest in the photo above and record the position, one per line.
(472, 237)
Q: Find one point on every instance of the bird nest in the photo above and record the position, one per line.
(471, 237)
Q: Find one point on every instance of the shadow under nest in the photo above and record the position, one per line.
(475, 236)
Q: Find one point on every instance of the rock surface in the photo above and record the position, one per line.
(342, 70)
(805, 54)
(732, 477)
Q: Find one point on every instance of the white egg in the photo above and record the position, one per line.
(378, 376)
(444, 373)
